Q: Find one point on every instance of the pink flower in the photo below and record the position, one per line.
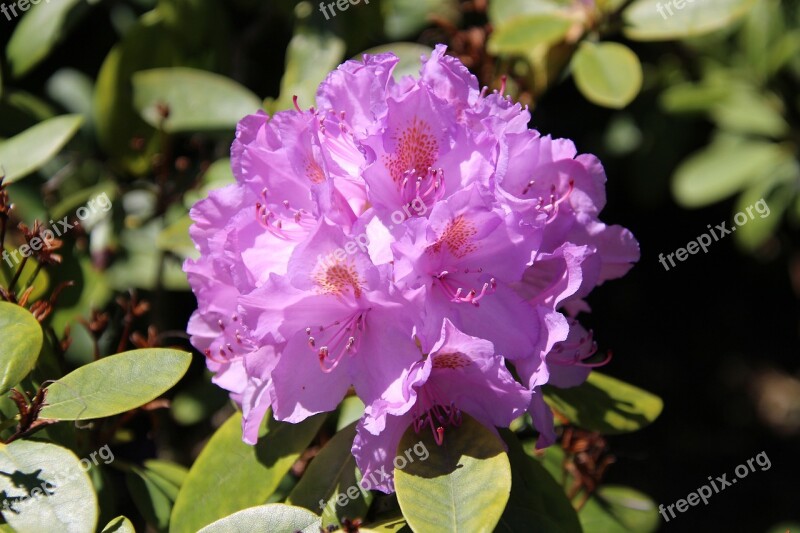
(404, 238)
(460, 374)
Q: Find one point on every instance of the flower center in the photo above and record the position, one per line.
(282, 220)
(342, 337)
(334, 276)
(456, 238)
(457, 294)
(430, 411)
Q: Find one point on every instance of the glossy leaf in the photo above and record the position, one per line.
(764, 203)
(115, 384)
(197, 100)
(606, 405)
(615, 509)
(119, 525)
(333, 474)
(151, 501)
(652, 20)
(608, 74)
(29, 150)
(309, 58)
(267, 519)
(22, 341)
(227, 464)
(723, 168)
(521, 35)
(175, 239)
(502, 11)
(40, 30)
(47, 488)
(462, 486)
(404, 18)
(537, 503)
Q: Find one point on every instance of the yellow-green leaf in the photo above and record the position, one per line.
(608, 74)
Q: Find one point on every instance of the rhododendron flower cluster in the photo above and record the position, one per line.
(410, 239)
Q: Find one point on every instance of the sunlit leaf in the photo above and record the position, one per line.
(656, 20)
(28, 151)
(47, 488)
(605, 404)
(119, 525)
(309, 58)
(462, 486)
(40, 30)
(115, 384)
(723, 168)
(522, 34)
(608, 74)
(227, 464)
(333, 478)
(196, 100)
(267, 519)
(404, 18)
(615, 509)
(22, 341)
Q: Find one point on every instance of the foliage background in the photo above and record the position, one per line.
(716, 337)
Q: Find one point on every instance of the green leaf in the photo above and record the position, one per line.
(462, 486)
(607, 74)
(47, 487)
(390, 525)
(142, 266)
(171, 472)
(350, 410)
(749, 110)
(28, 151)
(692, 97)
(119, 525)
(503, 11)
(404, 18)
(196, 100)
(228, 466)
(272, 518)
(605, 404)
(650, 20)
(22, 342)
(115, 384)
(537, 503)
(615, 509)
(40, 285)
(521, 35)
(40, 30)
(72, 89)
(151, 501)
(217, 175)
(331, 474)
(309, 58)
(767, 200)
(723, 168)
(175, 238)
(409, 54)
